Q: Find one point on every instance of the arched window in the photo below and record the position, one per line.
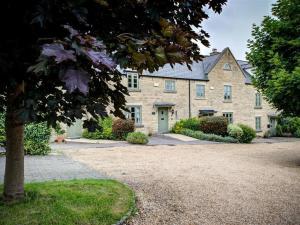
(227, 66)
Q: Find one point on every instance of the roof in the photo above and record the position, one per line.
(200, 70)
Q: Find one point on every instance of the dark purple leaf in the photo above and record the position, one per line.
(72, 31)
(76, 79)
(58, 52)
(101, 57)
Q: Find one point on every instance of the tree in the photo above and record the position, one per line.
(275, 55)
(58, 59)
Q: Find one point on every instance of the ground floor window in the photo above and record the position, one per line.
(258, 123)
(135, 114)
(229, 116)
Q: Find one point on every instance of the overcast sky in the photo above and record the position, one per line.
(232, 28)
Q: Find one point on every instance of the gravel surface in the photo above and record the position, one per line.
(206, 184)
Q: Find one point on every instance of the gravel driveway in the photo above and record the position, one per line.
(206, 184)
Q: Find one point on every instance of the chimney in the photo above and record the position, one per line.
(214, 51)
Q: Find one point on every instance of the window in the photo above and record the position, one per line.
(133, 80)
(134, 114)
(257, 100)
(229, 116)
(200, 90)
(227, 92)
(258, 123)
(227, 66)
(170, 86)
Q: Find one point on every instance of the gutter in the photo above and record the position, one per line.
(190, 110)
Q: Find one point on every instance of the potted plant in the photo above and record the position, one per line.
(60, 134)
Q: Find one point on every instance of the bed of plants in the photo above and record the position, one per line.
(214, 128)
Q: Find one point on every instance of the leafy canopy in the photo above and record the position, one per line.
(68, 53)
(275, 54)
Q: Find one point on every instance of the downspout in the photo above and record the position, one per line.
(190, 111)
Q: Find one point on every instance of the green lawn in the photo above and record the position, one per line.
(79, 202)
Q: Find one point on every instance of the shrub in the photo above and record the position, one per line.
(36, 148)
(208, 137)
(104, 133)
(248, 133)
(290, 124)
(214, 125)
(279, 131)
(36, 139)
(121, 128)
(177, 128)
(297, 133)
(234, 131)
(191, 123)
(137, 138)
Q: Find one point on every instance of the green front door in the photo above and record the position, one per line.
(163, 126)
(75, 130)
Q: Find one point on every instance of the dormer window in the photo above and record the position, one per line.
(227, 66)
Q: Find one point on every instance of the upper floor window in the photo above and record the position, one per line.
(226, 66)
(135, 114)
(133, 80)
(258, 100)
(229, 116)
(227, 92)
(170, 86)
(200, 90)
(258, 123)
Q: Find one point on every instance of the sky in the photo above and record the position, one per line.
(232, 28)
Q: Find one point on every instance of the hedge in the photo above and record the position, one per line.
(208, 137)
(105, 131)
(121, 128)
(214, 125)
(137, 138)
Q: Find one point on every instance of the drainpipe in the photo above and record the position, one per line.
(190, 111)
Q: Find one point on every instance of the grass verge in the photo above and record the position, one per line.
(85, 202)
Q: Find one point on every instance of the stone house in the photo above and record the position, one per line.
(219, 85)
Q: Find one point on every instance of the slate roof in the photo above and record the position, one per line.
(200, 70)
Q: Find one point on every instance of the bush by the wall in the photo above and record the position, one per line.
(214, 125)
(234, 131)
(104, 133)
(137, 138)
(289, 125)
(36, 139)
(208, 137)
(297, 133)
(248, 133)
(191, 123)
(121, 128)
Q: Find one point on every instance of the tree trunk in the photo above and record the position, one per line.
(14, 167)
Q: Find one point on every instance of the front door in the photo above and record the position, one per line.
(163, 126)
(272, 122)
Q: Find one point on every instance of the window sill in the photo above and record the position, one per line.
(201, 98)
(257, 107)
(258, 131)
(139, 126)
(134, 90)
(227, 101)
(172, 92)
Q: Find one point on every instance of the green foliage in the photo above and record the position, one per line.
(121, 128)
(248, 134)
(289, 124)
(36, 139)
(2, 129)
(297, 133)
(214, 125)
(58, 130)
(191, 123)
(36, 148)
(235, 131)
(137, 138)
(105, 131)
(275, 54)
(279, 132)
(208, 137)
(88, 201)
(177, 128)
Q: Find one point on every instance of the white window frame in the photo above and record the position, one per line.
(173, 89)
(203, 89)
(258, 123)
(227, 93)
(229, 116)
(258, 100)
(134, 110)
(131, 78)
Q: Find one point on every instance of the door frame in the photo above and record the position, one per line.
(166, 109)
